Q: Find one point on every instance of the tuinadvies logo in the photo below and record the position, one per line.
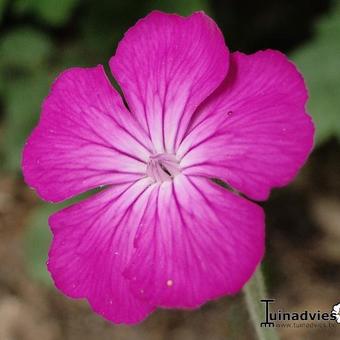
(272, 318)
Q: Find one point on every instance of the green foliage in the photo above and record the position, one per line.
(54, 12)
(319, 61)
(24, 48)
(37, 240)
(3, 4)
(22, 102)
(24, 80)
(180, 6)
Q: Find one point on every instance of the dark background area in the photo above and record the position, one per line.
(40, 38)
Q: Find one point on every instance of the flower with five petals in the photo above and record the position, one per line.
(162, 232)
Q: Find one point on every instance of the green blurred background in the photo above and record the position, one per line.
(40, 38)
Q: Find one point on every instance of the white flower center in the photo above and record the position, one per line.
(162, 167)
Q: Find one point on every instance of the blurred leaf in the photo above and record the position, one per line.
(3, 4)
(37, 241)
(23, 84)
(180, 6)
(2, 85)
(101, 27)
(23, 98)
(319, 62)
(24, 48)
(55, 12)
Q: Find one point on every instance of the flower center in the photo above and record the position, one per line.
(162, 167)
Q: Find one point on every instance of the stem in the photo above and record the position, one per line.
(255, 290)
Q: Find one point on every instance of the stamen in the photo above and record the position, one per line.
(163, 167)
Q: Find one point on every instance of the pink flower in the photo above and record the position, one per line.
(162, 233)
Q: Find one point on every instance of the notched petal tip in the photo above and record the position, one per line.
(71, 150)
(267, 138)
(164, 79)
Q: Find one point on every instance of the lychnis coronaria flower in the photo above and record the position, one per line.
(162, 232)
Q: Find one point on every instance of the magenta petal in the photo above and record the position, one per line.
(253, 132)
(167, 65)
(196, 242)
(93, 242)
(85, 138)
